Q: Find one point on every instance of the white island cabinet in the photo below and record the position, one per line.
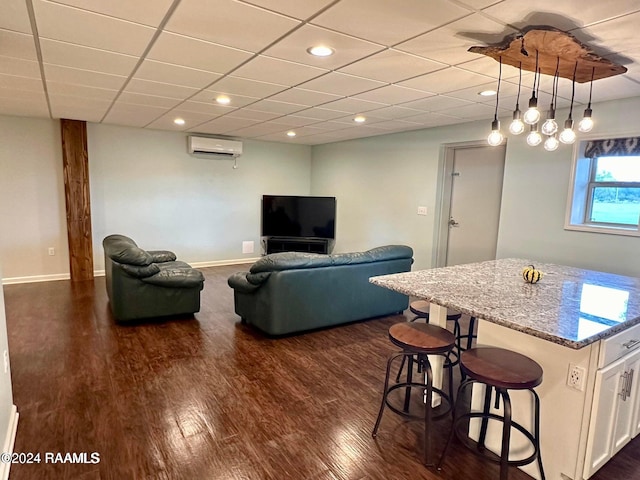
(581, 326)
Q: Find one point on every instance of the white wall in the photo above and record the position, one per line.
(145, 185)
(379, 183)
(32, 212)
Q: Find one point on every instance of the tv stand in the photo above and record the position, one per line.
(292, 244)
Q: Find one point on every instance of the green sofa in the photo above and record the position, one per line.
(291, 292)
(145, 284)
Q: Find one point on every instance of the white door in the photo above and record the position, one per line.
(477, 173)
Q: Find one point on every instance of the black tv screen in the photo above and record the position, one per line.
(292, 216)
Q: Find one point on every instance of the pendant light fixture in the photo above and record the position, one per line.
(495, 138)
(551, 143)
(567, 135)
(550, 126)
(532, 115)
(586, 124)
(517, 125)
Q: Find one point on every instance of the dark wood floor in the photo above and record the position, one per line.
(209, 398)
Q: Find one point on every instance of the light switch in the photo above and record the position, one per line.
(422, 210)
(247, 247)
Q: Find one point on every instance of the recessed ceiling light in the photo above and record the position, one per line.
(223, 100)
(178, 121)
(320, 51)
(291, 134)
(487, 93)
(360, 119)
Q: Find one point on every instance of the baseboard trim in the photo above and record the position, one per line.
(221, 263)
(36, 278)
(100, 273)
(9, 441)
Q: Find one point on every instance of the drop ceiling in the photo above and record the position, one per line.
(403, 64)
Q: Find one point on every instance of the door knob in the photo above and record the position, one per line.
(453, 223)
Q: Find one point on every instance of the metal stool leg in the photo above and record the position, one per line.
(407, 392)
(485, 416)
(392, 357)
(506, 433)
(456, 407)
(428, 380)
(537, 431)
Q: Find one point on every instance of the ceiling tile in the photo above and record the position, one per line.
(273, 106)
(191, 120)
(168, 73)
(396, 125)
(75, 76)
(341, 84)
(394, 112)
(260, 129)
(294, 121)
(354, 105)
(81, 91)
(470, 112)
(133, 115)
(223, 125)
(232, 85)
(388, 22)
(472, 94)
(248, 114)
(146, 12)
(190, 52)
(320, 113)
(561, 15)
(78, 108)
(59, 22)
(347, 49)
(449, 43)
(209, 96)
(86, 58)
(615, 87)
(14, 16)
(19, 67)
(392, 66)
(147, 100)
(436, 103)
(293, 8)
(614, 36)
(23, 103)
(277, 71)
(213, 109)
(392, 94)
(17, 45)
(304, 97)
(433, 119)
(488, 66)
(21, 83)
(447, 80)
(231, 23)
(160, 89)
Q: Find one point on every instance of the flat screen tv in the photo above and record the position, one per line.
(303, 217)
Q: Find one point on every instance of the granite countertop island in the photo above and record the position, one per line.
(569, 306)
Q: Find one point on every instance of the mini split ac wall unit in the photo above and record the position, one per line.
(214, 147)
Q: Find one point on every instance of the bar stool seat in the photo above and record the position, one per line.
(500, 370)
(418, 341)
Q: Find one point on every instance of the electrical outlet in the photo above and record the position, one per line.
(247, 247)
(422, 210)
(6, 361)
(576, 377)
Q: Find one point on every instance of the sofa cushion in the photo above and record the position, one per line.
(140, 271)
(122, 249)
(161, 256)
(176, 277)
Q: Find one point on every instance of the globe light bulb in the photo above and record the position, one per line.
(550, 126)
(534, 138)
(586, 124)
(516, 126)
(532, 115)
(495, 138)
(551, 143)
(568, 136)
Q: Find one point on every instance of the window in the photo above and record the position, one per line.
(605, 194)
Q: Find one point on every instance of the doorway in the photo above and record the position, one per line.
(470, 203)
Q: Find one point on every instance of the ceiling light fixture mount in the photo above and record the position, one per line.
(559, 54)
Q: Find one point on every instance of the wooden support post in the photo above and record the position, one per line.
(75, 160)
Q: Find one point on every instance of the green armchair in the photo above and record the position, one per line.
(145, 284)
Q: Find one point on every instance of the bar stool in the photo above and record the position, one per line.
(418, 340)
(500, 370)
(420, 308)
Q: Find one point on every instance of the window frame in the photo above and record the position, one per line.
(580, 197)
